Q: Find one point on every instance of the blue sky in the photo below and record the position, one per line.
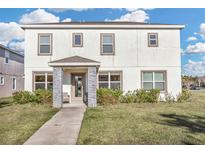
(192, 37)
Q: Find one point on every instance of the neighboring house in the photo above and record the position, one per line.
(76, 58)
(189, 81)
(11, 71)
(201, 81)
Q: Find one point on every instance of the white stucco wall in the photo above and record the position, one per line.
(132, 53)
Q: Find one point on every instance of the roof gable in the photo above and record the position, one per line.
(74, 61)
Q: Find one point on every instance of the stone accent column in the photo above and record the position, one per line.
(92, 86)
(57, 87)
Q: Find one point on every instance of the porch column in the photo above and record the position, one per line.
(92, 86)
(57, 87)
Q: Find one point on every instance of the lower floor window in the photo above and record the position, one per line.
(14, 83)
(43, 81)
(1, 80)
(154, 80)
(110, 80)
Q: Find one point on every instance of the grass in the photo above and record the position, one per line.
(19, 122)
(161, 123)
(6, 101)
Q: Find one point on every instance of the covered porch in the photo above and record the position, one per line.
(74, 81)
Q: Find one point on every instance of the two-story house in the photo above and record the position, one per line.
(11, 71)
(78, 57)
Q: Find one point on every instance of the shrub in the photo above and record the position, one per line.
(184, 96)
(129, 97)
(153, 96)
(107, 96)
(39, 96)
(116, 93)
(23, 97)
(141, 96)
(43, 96)
(169, 98)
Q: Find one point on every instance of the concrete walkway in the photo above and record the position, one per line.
(63, 128)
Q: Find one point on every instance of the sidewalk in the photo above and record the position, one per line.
(63, 128)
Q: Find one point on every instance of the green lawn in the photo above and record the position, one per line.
(19, 122)
(161, 123)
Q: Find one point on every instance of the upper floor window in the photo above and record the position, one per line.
(77, 39)
(1, 80)
(107, 44)
(6, 57)
(152, 39)
(45, 44)
(154, 80)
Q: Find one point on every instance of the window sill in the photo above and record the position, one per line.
(40, 54)
(107, 54)
(77, 46)
(153, 46)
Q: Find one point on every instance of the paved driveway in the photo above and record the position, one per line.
(63, 128)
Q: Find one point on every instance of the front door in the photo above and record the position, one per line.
(77, 90)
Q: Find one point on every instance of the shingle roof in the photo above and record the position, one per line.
(10, 50)
(74, 59)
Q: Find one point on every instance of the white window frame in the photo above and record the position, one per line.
(150, 39)
(1, 80)
(154, 81)
(104, 73)
(102, 43)
(46, 79)
(47, 82)
(49, 44)
(81, 40)
(109, 73)
(13, 83)
(115, 73)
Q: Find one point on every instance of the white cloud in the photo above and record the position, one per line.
(182, 51)
(191, 38)
(196, 48)
(10, 31)
(196, 33)
(135, 16)
(59, 10)
(203, 58)
(39, 16)
(202, 30)
(135, 9)
(194, 68)
(131, 9)
(16, 45)
(81, 9)
(67, 20)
